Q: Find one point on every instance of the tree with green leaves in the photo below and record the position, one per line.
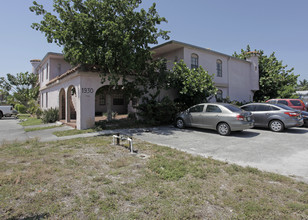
(194, 85)
(276, 81)
(112, 35)
(21, 88)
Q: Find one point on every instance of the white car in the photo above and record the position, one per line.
(7, 110)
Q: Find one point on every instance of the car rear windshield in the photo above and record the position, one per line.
(233, 108)
(296, 102)
(285, 107)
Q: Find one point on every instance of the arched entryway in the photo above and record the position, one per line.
(107, 95)
(71, 103)
(62, 104)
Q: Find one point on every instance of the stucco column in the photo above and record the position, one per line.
(67, 106)
(109, 106)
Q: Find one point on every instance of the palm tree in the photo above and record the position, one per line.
(303, 85)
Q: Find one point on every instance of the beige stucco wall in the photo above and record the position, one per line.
(54, 70)
(239, 77)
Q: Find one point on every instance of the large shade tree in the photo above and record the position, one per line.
(193, 85)
(276, 81)
(114, 36)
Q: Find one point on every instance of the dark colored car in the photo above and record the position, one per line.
(276, 117)
(221, 117)
(293, 103)
(305, 118)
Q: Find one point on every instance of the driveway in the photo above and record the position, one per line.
(10, 130)
(284, 153)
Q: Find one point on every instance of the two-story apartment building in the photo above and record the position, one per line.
(235, 78)
(79, 93)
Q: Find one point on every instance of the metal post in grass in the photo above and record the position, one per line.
(118, 138)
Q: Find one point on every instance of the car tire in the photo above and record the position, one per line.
(276, 125)
(223, 129)
(1, 114)
(179, 123)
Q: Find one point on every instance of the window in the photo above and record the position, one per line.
(262, 108)
(46, 99)
(296, 102)
(213, 108)
(274, 108)
(59, 68)
(42, 100)
(219, 96)
(219, 68)
(47, 71)
(248, 108)
(282, 102)
(233, 108)
(42, 74)
(194, 61)
(102, 100)
(197, 108)
(118, 99)
(272, 101)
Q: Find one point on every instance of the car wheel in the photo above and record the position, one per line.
(1, 115)
(223, 129)
(276, 125)
(180, 123)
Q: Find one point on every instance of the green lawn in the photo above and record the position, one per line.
(40, 128)
(29, 120)
(89, 178)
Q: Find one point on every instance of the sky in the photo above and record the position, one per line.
(225, 26)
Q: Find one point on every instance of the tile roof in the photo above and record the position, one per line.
(69, 72)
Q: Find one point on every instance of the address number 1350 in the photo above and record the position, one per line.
(87, 90)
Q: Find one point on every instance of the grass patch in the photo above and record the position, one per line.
(29, 120)
(74, 132)
(105, 125)
(40, 128)
(88, 178)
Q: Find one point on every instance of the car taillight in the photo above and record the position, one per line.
(292, 114)
(240, 117)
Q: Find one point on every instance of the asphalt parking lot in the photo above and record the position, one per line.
(284, 153)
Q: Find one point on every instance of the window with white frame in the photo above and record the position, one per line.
(194, 61)
(219, 68)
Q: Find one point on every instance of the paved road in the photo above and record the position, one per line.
(10, 130)
(285, 153)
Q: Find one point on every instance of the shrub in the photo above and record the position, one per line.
(34, 108)
(156, 112)
(51, 115)
(21, 108)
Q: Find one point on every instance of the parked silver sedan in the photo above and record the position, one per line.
(276, 117)
(217, 116)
